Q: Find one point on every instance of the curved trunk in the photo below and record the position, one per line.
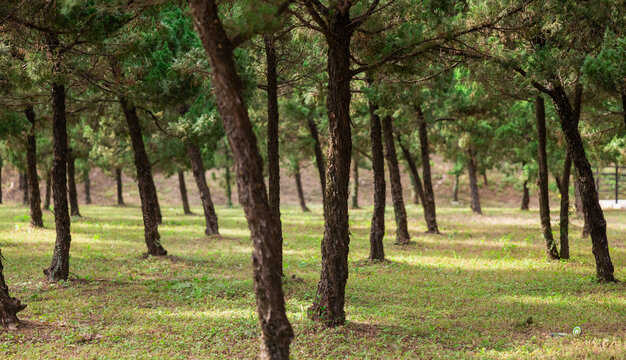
(296, 175)
(430, 214)
(118, 181)
(36, 219)
(228, 88)
(377, 230)
(183, 192)
(473, 181)
(355, 184)
(46, 203)
(564, 213)
(197, 166)
(402, 232)
(542, 181)
(71, 179)
(319, 156)
(87, 189)
(9, 306)
(418, 189)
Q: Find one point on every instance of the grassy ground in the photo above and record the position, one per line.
(481, 290)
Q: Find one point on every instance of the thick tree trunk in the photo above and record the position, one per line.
(36, 219)
(319, 156)
(60, 266)
(418, 188)
(118, 181)
(23, 185)
(377, 229)
(147, 191)
(455, 189)
(564, 213)
(276, 330)
(428, 201)
(296, 175)
(71, 179)
(9, 306)
(46, 203)
(569, 117)
(473, 181)
(87, 188)
(183, 192)
(197, 166)
(273, 161)
(355, 179)
(402, 232)
(542, 181)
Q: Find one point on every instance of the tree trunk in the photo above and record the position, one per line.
(24, 187)
(60, 266)
(428, 201)
(296, 175)
(1, 166)
(9, 306)
(579, 207)
(455, 189)
(525, 191)
(183, 192)
(484, 173)
(87, 189)
(120, 193)
(377, 229)
(355, 184)
(46, 204)
(471, 170)
(71, 179)
(228, 88)
(36, 219)
(564, 213)
(145, 182)
(418, 189)
(569, 117)
(542, 181)
(197, 166)
(402, 232)
(273, 160)
(319, 156)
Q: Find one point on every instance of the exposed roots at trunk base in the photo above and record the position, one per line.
(9, 306)
(322, 314)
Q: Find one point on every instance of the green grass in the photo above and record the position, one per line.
(465, 294)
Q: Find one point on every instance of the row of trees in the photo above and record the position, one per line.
(132, 85)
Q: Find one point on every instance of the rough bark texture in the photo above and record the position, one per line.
(183, 192)
(9, 306)
(147, 192)
(197, 166)
(473, 181)
(71, 180)
(276, 330)
(402, 231)
(36, 219)
(377, 229)
(355, 182)
(319, 156)
(542, 181)
(297, 177)
(118, 181)
(87, 189)
(564, 213)
(569, 116)
(428, 201)
(46, 203)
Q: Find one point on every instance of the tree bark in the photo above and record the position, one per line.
(569, 117)
(525, 191)
(87, 189)
(355, 184)
(564, 213)
(418, 188)
(455, 189)
(120, 193)
(9, 306)
(471, 170)
(147, 191)
(183, 192)
(402, 232)
(579, 207)
(377, 229)
(542, 181)
(36, 219)
(296, 175)
(71, 179)
(319, 156)
(197, 166)
(23, 185)
(46, 203)
(428, 201)
(276, 330)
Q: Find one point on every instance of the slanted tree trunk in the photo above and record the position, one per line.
(87, 189)
(183, 192)
(36, 219)
(428, 201)
(46, 203)
(229, 193)
(23, 185)
(197, 166)
(118, 181)
(484, 174)
(296, 175)
(60, 265)
(9, 306)
(355, 179)
(377, 229)
(455, 189)
(542, 181)
(418, 188)
(564, 213)
(319, 156)
(402, 232)
(228, 88)
(71, 179)
(147, 191)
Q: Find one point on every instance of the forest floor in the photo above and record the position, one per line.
(482, 289)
